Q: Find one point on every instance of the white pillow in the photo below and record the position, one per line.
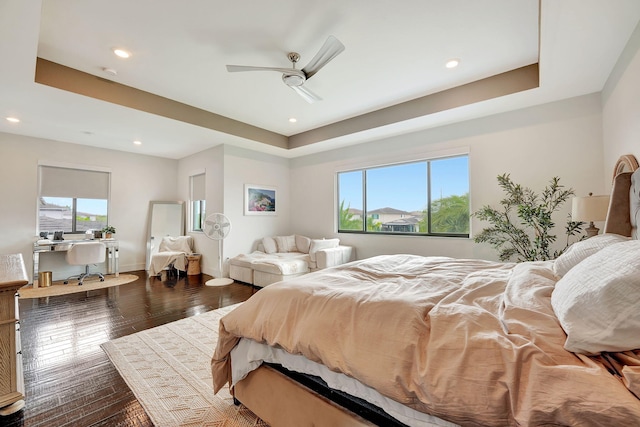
(269, 244)
(598, 301)
(303, 243)
(319, 244)
(286, 243)
(581, 250)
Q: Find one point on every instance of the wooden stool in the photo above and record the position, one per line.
(193, 266)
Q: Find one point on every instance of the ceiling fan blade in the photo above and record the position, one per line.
(329, 50)
(237, 68)
(306, 94)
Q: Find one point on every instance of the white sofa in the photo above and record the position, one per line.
(285, 257)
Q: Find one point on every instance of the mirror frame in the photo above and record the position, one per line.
(152, 205)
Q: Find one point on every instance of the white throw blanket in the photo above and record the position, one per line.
(172, 251)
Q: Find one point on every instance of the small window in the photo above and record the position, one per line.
(429, 197)
(72, 200)
(198, 202)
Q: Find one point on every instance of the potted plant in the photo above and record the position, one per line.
(108, 231)
(522, 226)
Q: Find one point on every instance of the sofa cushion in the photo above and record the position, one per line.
(282, 267)
(286, 243)
(270, 245)
(303, 243)
(319, 244)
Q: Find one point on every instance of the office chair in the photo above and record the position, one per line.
(86, 253)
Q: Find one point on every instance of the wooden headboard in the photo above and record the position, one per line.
(624, 207)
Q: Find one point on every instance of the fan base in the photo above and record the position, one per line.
(222, 281)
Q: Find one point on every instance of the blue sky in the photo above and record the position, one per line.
(404, 186)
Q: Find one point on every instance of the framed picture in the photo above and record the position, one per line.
(259, 200)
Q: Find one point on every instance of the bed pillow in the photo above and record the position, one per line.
(303, 243)
(598, 301)
(581, 250)
(269, 244)
(319, 244)
(286, 243)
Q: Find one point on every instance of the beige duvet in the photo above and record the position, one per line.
(473, 342)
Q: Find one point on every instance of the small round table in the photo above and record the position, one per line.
(193, 266)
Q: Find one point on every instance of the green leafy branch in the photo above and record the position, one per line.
(522, 226)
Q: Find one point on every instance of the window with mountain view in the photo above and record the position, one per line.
(427, 197)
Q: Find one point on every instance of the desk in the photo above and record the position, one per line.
(64, 245)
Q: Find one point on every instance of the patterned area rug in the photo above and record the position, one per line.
(90, 284)
(168, 369)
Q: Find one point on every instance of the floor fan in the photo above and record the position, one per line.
(217, 227)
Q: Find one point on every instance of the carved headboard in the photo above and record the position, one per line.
(624, 208)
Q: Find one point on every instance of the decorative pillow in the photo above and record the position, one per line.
(303, 243)
(286, 243)
(581, 250)
(597, 301)
(269, 244)
(319, 244)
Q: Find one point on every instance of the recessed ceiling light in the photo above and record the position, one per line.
(293, 120)
(121, 53)
(136, 142)
(13, 119)
(452, 63)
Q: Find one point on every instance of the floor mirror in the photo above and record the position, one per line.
(165, 219)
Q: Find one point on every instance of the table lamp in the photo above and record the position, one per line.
(590, 209)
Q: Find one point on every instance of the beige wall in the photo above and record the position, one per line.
(533, 145)
(621, 106)
(578, 140)
(135, 180)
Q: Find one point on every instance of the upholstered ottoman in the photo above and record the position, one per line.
(241, 269)
(266, 272)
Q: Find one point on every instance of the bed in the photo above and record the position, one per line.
(436, 341)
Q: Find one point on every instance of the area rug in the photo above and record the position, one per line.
(168, 368)
(90, 284)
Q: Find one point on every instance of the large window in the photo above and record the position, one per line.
(72, 200)
(429, 197)
(198, 202)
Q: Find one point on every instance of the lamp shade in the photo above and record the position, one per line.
(590, 208)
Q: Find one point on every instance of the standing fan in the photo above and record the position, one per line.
(217, 227)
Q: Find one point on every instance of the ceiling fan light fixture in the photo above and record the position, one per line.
(293, 79)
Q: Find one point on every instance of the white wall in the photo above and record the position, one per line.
(135, 180)
(228, 168)
(621, 106)
(561, 139)
(248, 167)
(211, 162)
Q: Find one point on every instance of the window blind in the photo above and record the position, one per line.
(78, 183)
(198, 187)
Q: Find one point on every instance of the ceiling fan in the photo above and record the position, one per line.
(295, 78)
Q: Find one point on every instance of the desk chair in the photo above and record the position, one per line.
(86, 253)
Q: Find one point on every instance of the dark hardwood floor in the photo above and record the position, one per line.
(69, 380)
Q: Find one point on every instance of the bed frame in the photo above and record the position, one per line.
(282, 401)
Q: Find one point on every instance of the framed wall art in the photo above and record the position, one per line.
(259, 200)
